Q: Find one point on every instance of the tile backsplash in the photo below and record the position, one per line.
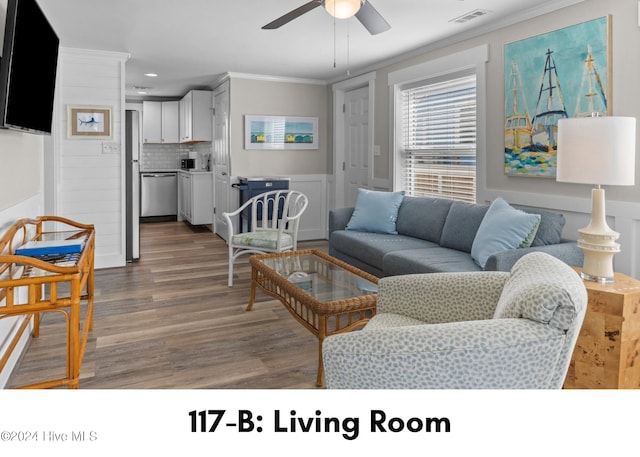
(167, 156)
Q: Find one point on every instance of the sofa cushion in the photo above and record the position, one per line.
(371, 248)
(550, 228)
(423, 217)
(528, 241)
(430, 260)
(461, 225)
(376, 211)
(543, 289)
(502, 228)
(377, 272)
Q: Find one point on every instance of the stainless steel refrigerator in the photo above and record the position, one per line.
(132, 158)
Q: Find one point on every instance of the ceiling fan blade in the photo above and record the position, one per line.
(291, 15)
(371, 19)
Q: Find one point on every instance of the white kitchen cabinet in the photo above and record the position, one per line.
(170, 122)
(184, 196)
(195, 197)
(160, 122)
(152, 122)
(195, 116)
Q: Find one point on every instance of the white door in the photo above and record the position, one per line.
(222, 168)
(357, 156)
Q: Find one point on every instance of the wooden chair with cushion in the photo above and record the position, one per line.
(273, 219)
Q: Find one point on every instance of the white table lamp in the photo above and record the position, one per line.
(599, 151)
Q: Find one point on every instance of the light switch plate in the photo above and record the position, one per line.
(110, 147)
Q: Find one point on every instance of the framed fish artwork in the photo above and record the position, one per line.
(558, 74)
(89, 122)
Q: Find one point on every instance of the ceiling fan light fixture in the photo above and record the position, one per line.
(343, 9)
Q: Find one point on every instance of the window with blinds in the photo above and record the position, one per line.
(439, 139)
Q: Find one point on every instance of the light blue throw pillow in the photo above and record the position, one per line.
(502, 228)
(376, 211)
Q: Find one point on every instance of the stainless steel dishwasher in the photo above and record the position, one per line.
(158, 194)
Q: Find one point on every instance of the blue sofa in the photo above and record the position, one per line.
(437, 235)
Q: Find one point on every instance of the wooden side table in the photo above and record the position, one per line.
(607, 354)
(61, 284)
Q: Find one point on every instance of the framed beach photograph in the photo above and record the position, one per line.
(559, 74)
(89, 122)
(280, 132)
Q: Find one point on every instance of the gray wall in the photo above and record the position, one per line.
(260, 97)
(626, 91)
(20, 167)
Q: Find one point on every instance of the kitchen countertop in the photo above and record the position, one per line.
(157, 170)
(174, 171)
(195, 172)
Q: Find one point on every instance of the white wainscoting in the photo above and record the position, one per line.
(9, 326)
(314, 221)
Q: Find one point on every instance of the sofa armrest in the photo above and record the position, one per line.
(339, 218)
(441, 297)
(567, 251)
(446, 356)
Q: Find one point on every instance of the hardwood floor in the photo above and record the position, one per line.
(170, 321)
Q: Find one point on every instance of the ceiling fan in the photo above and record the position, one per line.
(341, 9)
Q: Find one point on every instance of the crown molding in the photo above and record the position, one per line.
(269, 78)
(93, 54)
(527, 14)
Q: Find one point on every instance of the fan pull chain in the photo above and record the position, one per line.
(334, 42)
(348, 49)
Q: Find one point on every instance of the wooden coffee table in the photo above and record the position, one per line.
(324, 294)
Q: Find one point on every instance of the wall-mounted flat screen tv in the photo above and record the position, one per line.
(27, 68)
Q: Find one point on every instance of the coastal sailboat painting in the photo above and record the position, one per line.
(559, 74)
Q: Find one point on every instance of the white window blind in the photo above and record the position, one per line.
(439, 139)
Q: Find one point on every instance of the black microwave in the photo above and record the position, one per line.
(187, 164)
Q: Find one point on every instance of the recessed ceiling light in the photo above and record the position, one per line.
(151, 75)
(142, 92)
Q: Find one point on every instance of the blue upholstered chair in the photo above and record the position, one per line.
(273, 218)
(474, 330)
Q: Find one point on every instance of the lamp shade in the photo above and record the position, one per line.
(342, 9)
(597, 150)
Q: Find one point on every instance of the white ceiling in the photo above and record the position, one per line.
(191, 43)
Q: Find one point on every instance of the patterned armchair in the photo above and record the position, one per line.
(473, 330)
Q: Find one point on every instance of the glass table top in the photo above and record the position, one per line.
(319, 277)
(15, 271)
